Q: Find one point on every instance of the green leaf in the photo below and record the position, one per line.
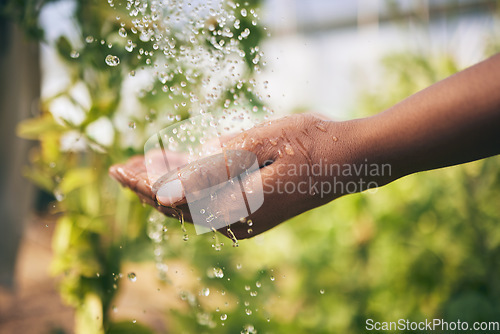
(33, 128)
(76, 178)
(40, 178)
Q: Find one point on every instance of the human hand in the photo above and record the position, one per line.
(286, 151)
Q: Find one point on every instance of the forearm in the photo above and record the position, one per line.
(454, 121)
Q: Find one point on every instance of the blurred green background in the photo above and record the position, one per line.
(424, 247)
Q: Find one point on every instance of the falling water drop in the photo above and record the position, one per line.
(245, 33)
(122, 32)
(132, 277)
(233, 237)
(112, 60)
(218, 273)
(58, 194)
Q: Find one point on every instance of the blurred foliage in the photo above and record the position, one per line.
(426, 246)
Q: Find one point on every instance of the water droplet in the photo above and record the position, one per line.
(74, 54)
(248, 311)
(185, 237)
(205, 292)
(238, 266)
(134, 321)
(322, 291)
(233, 237)
(258, 284)
(245, 33)
(89, 39)
(244, 12)
(58, 195)
(289, 149)
(132, 277)
(223, 316)
(249, 329)
(247, 287)
(132, 125)
(122, 32)
(112, 60)
(334, 138)
(272, 278)
(249, 231)
(218, 272)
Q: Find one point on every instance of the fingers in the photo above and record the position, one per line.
(266, 207)
(245, 152)
(203, 176)
(133, 175)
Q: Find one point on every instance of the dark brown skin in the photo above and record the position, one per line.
(451, 122)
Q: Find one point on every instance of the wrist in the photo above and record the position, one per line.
(350, 159)
(375, 146)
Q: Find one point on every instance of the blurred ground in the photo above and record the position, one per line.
(34, 305)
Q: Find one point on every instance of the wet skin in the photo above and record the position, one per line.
(454, 121)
